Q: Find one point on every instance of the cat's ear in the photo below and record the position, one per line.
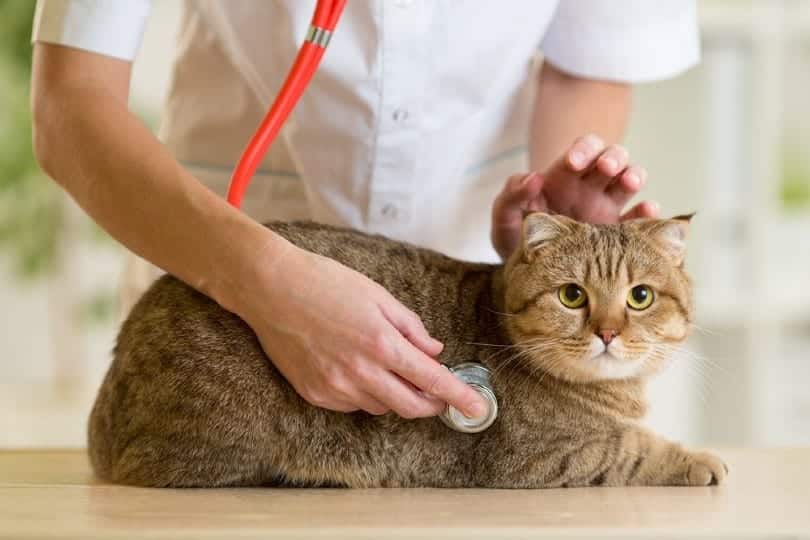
(670, 235)
(539, 228)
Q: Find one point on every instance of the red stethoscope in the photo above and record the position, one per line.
(324, 20)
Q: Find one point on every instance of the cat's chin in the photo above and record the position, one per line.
(606, 366)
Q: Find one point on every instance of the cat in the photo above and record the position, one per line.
(571, 326)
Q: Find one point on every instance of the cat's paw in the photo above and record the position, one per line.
(705, 469)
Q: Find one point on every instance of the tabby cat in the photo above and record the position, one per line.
(571, 327)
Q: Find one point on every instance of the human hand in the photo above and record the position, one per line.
(590, 183)
(344, 343)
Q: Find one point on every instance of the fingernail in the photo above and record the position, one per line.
(577, 159)
(476, 409)
(610, 164)
(594, 141)
(654, 207)
(437, 343)
(528, 178)
(633, 180)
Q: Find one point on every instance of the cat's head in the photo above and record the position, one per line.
(596, 302)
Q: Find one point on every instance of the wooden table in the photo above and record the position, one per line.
(53, 494)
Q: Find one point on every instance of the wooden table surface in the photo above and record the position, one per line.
(52, 494)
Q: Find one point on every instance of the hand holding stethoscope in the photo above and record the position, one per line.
(324, 20)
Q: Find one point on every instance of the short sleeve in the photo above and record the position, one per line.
(108, 27)
(623, 40)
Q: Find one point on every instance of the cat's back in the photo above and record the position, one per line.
(171, 312)
(441, 290)
(374, 255)
(426, 281)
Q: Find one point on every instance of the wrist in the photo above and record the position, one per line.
(251, 260)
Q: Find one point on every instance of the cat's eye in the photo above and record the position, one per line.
(573, 296)
(640, 297)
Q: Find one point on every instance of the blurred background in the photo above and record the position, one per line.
(730, 140)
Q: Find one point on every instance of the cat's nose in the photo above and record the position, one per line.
(607, 335)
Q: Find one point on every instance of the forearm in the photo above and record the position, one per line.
(567, 107)
(111, 164)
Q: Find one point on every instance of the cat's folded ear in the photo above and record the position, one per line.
(669, 235)
(539, 228)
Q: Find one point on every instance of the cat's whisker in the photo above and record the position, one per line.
(705, 360)
(526, 357)
(496, 312)
(514, 358)
(688, 354)
(708, 332)
(493, 345)
(699, 382)
(700, 377)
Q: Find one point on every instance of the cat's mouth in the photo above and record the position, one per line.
(608, 362)
(609, 366)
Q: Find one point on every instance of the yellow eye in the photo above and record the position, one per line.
(572, 296)
(640, 297)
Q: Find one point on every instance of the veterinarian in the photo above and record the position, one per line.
(419, 115)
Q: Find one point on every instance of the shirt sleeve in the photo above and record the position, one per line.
(623, 40)
(109, 27)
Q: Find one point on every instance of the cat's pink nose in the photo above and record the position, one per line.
(607, 335)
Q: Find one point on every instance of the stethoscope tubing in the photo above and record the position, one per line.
(324, 20)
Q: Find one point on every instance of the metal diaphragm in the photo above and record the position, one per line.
(477, 376)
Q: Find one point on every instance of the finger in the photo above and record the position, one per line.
(403, 398)
(389, 392)
(521, 195)
(330, 403)
(646, 209)
(627, 184)
(370, 404)
(582, 153)
(326, 394)
(518, 193)
(411, 327)
(512, 186)
(609, 164)
(436, 381)
(343, 407)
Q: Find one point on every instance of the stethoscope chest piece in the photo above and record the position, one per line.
(477, 376)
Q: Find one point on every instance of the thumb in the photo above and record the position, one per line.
(520, 188)
(646, 209)
(516, 196)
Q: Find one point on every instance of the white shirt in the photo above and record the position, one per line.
(417, 115)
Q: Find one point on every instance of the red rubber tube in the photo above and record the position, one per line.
(326, 15)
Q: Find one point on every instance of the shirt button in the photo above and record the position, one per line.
(389, 211)
(400, 115)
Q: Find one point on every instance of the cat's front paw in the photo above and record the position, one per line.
(705, 469)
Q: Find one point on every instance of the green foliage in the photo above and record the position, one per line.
(30, 213)
(31, 217)
(17, 17)
(98, 307)
(795, 185)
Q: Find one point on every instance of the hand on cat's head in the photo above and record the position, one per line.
(593, 302)
(591, 182)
